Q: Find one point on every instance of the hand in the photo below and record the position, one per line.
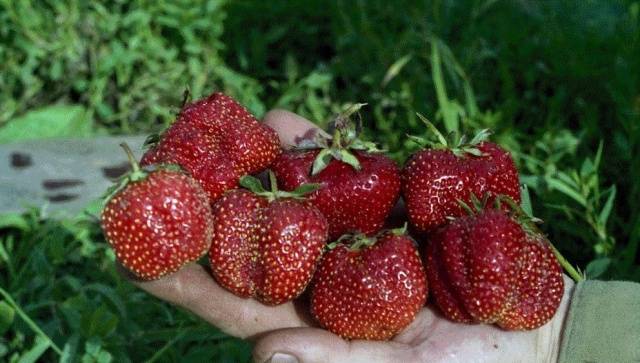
(285, 333)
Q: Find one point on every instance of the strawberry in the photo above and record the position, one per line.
(433, 180)
(266, 245)
(156, 221)
(495, 268)
(360, 186)
(369, 287)
(217, 141)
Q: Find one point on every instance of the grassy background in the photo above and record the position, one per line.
(558, 82)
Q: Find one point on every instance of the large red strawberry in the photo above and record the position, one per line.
(217, 141)
(435, 179)
(492, 267)
(369, 287)
(157, 221)
(266, 245)
(360, 186)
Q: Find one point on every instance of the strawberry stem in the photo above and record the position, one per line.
(575, 275)
(400, 230)
(337, 136)
(136, 172)
(132, 159)
(273, 182)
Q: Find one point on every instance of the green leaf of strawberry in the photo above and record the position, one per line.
(359, 185)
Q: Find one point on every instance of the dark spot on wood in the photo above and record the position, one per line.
(52, 184)
(20, 160)
(62, 197)
(495, 346)
(115, 171)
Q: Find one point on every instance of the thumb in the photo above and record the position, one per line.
(312, 345)
(291, 128)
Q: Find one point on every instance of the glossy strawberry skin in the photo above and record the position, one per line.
(217, 141)
(486, 269)
(369, 294)
(351, 200)
(266, 250)
(433, 180)
(158, 224)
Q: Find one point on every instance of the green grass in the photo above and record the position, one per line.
(557, 81)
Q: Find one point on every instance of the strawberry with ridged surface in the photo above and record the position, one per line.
(266, 244)
(360, 186)
(369, 287)
(156, 221)
(494, 268)
(217, 141)
(434, 179)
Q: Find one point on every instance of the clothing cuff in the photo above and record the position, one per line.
(603, 323)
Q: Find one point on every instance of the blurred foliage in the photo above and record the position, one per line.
(49, 121)
(126, 61)
(64, 300)
(557, 81)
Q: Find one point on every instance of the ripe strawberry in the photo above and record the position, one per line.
(157, 221)
(217, 141)
(359, 185)
(433, 180)
(493, 268)
(266, 245)
(369, 287)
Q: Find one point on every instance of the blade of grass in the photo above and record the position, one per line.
(36, 329)
(171, 342)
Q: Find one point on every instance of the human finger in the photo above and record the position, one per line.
(291, 128)
(313, 345)
(194, 289)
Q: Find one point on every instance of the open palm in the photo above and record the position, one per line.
(286, 333)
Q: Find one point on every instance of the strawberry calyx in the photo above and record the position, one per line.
(153, 139)
(477, 205)
(341, 143)
(459, 146)
(361, 241)
(136, 174)
(358, 241)
(529, 224)
(255, 186)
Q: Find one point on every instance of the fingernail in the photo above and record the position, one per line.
(282, 358)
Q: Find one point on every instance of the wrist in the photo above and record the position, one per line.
(550, 336)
